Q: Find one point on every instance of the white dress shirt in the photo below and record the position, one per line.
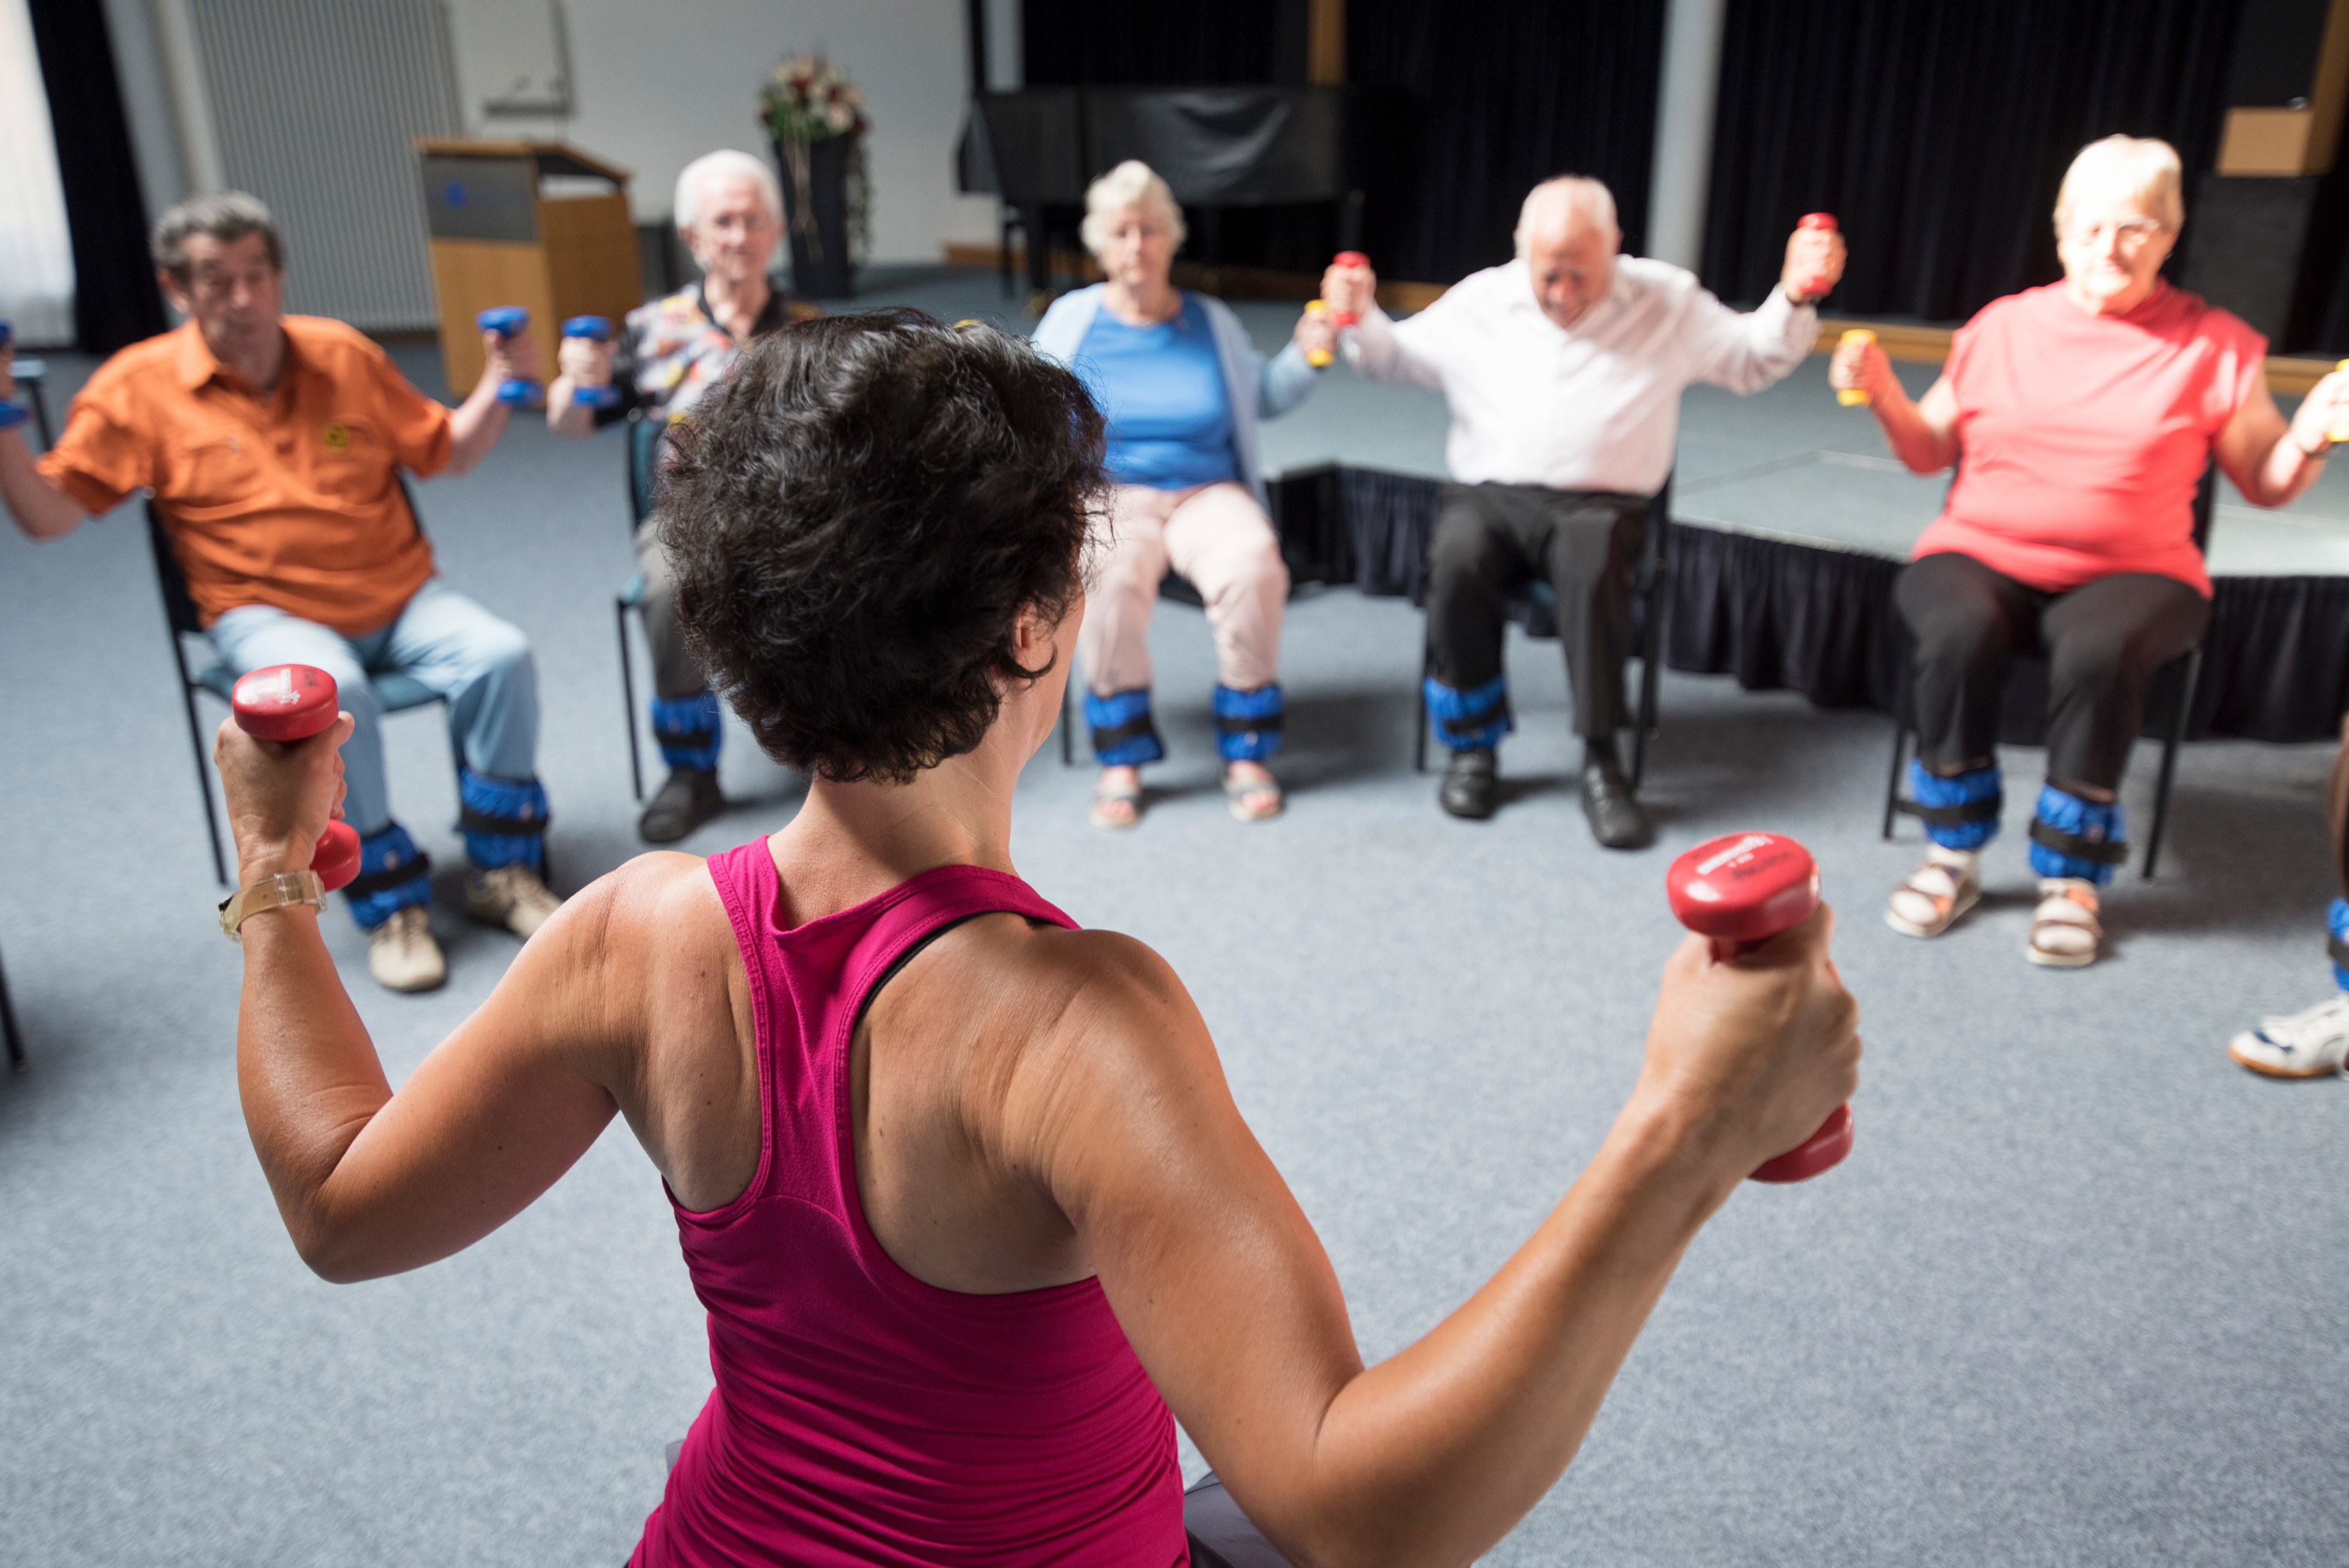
(1591, 407)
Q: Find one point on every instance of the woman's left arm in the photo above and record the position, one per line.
(2271, 462)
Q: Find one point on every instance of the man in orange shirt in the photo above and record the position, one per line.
(272, 445)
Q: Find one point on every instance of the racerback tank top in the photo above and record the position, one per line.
(861, 1416)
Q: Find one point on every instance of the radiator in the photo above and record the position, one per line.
(315, 104)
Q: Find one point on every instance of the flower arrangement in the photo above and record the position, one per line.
(809, 100)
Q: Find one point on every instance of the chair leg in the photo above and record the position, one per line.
(1069, 724)
(1419, 705)
(628, 702)
(8, 1027)
(2170, 742)
(203, 779)
(1901, 723)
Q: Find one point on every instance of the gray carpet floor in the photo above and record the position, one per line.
(2073, 1300)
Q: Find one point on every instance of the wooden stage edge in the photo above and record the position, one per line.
(2288, 374)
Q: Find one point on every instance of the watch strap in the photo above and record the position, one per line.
(304, 886)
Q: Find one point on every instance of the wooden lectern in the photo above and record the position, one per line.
(500, 238)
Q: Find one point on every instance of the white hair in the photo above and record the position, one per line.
(1568, 193)
(2142, 171)
(1132, 183)
(724, 164)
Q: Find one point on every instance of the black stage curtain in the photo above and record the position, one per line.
(1820, 621)
(1937, 130)
(115, 298)
(1081, 43)
(1508, 92)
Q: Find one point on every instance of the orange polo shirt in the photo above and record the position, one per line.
(291, 500)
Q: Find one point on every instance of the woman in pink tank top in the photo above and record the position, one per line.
(2082, 416)
(961, 1185)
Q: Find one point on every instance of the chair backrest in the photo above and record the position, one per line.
(2205, 502)
(643, 452)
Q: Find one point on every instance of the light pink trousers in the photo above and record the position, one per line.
(1218, 539)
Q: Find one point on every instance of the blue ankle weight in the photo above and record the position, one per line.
(2098, 822)
(2336, 922)
(1123, 733)
(688, 730)
(504, 820)
(1470, 721)
(1971, 787)
(394, 874)
(1247, 723)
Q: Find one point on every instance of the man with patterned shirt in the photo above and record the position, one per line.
(728, 210)
(272, 445)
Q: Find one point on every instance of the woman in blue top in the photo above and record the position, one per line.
(1182, 388)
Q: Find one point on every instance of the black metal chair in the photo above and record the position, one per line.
(643, 449)
(206, 673)
(1650, 584)
(2189, 664)
(8, 1027)
(33, 376)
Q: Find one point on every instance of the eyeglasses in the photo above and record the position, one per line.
(2128, 233)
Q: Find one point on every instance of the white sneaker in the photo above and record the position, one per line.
(2305, 1046)
(402, 955)
(511, 896)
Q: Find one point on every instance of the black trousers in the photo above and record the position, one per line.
(2101, 641)
(1585, 544)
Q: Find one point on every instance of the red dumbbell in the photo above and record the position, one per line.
(1741, 890)
(1817, 283)
(294, 702)
(1347, 258)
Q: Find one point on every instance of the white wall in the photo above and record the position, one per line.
(656, 83)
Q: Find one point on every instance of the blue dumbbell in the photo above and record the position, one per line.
(11, 414)
(596, 329)
(505, 321)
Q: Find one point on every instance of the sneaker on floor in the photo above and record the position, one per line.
(402, 955)
(688, 799)
(511, 896)
(2308, 1044)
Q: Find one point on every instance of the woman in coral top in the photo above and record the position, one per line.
(961, 1186)
(2081, 416)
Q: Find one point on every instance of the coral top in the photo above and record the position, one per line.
(862, 1416)
(291, 500)
(2084, 436)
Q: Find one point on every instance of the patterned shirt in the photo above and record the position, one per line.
(672, 351)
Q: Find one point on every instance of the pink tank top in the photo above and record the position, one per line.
(862, 1416)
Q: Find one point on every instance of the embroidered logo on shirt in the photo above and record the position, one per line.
(337, 437)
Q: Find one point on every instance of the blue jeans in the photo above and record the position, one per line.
(442, 638)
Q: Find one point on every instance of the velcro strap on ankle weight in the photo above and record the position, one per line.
(2339, 951)
(473, 821)
(418, 864)
(2103, 852)
(1984, 810)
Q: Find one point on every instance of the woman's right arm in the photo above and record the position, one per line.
(1220, 1283)
(1922, 433)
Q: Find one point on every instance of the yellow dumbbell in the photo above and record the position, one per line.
(2339, 432)
(1854, 397)
(1318, 358)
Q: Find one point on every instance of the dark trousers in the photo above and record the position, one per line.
(1489, 538)
(2101, 641)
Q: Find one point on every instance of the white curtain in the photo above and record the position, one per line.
(36, 270)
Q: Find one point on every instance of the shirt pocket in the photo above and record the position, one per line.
(210, 468)
(350, 462)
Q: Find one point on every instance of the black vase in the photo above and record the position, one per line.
(819, 262)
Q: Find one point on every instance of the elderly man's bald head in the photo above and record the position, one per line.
(1566, 237)
(1565, 202)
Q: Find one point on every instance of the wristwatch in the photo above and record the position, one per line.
(303, 887)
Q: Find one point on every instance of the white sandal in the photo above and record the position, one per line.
(1945, 887)
(2064, 929)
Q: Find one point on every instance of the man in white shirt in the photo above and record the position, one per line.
(1564, 371)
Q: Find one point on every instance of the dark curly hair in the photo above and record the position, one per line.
(856, 520)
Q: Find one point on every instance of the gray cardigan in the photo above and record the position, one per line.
(1259, 389)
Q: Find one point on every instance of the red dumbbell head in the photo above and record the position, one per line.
(1347, 258)
(285, 703)
(1743, 887)
(1818, 221)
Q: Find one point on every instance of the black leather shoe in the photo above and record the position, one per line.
(1472, 785)
(1616, 819)
(688, 799)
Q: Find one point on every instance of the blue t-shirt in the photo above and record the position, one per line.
(1161, 389)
